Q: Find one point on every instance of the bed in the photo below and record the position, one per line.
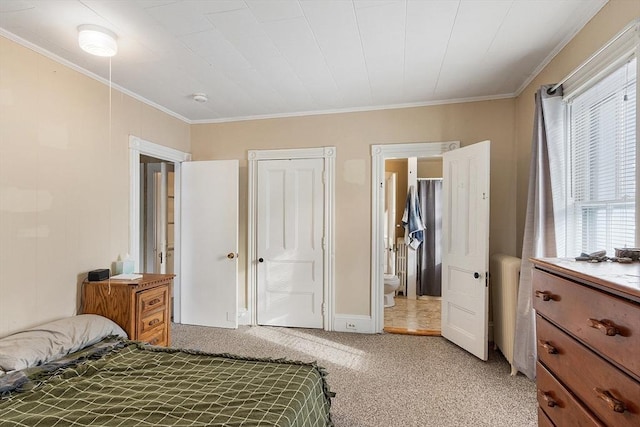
(72, 372)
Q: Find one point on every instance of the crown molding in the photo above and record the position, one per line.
(75, 67)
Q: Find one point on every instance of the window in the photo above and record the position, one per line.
(601, 172)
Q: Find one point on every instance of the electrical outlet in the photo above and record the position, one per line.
(351, 325)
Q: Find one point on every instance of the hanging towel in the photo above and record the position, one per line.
(412, 220)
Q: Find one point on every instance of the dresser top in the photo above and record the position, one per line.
(617, 278)
(147, 280)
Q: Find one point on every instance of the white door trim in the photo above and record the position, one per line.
(137, 147)
(329, 156)
(379, 153)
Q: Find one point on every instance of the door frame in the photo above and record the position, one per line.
(329, 156)
(390, 255)
(380, 153)
(137, 147)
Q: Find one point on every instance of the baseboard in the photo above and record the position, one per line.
(244, 319)
(341, 322)
(353, 323)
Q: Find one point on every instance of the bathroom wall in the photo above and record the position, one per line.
(430, 168)
(399, 166)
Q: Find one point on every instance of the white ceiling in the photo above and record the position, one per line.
(271, 58)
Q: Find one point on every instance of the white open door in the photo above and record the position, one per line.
(290, 242)
(465, 252)
(155, 223)
(160, 221)
(210, 243)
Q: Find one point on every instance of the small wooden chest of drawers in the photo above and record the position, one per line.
(588, 342)
(141, 307)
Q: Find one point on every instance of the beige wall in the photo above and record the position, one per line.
(64, 185)
(612, 18)
(400, 167)
(353, 134)
(430, 168)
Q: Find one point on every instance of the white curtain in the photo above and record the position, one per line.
(544, 226)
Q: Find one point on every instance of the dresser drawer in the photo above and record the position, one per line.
(559, 404)
(543, 420)
(608, 324)
(588, 376)
(151, 321)
(155, 337)
(152, 300)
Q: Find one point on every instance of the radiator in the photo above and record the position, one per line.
(401, 264)
(504, 276)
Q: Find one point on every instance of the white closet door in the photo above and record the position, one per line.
(290, 242)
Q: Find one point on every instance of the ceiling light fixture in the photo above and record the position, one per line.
(200, 97)
(97, 40)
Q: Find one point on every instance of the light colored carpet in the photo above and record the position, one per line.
(388, 380)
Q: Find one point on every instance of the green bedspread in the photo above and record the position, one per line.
(122, 383)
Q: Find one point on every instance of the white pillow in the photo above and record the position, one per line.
(53, 340)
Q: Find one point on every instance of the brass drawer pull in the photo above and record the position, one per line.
(546, 345)
(154, 301)
(154, 322)
(545, 295)
(615, 404)
(547, 398)
(606, 326)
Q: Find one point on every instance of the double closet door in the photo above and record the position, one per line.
(290, 243)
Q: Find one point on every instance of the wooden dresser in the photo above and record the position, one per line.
(141, 307)
(588, 342)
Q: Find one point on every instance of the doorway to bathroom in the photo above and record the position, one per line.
(465, 238)
(413, 301)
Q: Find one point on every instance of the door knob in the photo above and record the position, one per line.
(260, 259)
(231, 255)
(476, 275)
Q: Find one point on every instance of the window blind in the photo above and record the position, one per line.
(601, 202)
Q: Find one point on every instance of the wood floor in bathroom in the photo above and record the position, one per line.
(413, 316)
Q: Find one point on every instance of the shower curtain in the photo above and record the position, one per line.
(429, 252)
